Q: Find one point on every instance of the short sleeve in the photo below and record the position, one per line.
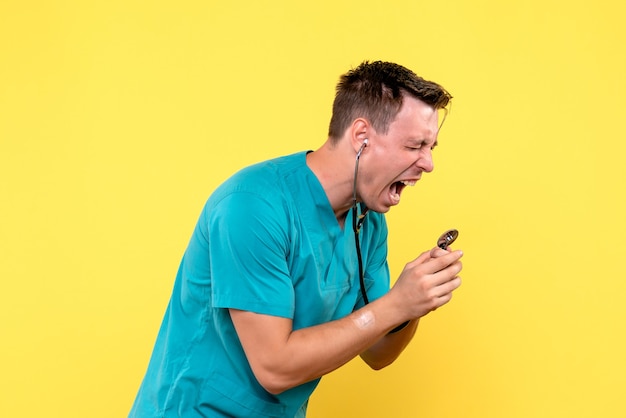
(248, 251)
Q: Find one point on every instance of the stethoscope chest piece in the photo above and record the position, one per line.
(447, 238)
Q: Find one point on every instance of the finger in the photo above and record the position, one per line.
(423, 257)
(447, 290)
(448, 287)
(446, 274)
(443, 261)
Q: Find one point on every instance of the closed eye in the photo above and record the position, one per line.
(420, 146)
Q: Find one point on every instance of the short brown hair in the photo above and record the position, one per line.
(375, 91)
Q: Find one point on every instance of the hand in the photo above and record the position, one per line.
(427, 282)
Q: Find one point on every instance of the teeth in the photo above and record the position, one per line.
(408, 182)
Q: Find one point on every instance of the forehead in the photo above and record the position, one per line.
(416, 119)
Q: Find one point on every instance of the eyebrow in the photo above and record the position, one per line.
(421, 142)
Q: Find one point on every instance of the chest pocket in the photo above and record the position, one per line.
(339, 265)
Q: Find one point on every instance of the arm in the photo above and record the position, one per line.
(386, 350)
(282, 358)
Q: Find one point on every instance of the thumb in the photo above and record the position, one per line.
(438, 252)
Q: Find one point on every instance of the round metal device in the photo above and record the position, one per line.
(447, 238)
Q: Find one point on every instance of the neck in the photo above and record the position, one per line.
(334, 168)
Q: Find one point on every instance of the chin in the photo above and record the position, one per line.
(380, 208)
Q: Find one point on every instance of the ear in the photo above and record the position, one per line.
(360, 131)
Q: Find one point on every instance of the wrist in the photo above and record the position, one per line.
(399, 328)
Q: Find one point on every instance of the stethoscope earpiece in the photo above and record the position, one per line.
(363, 145)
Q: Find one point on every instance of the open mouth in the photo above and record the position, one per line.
(395, 190)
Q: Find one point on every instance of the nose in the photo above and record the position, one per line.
(425, 161)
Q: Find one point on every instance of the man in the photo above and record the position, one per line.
(285, 277)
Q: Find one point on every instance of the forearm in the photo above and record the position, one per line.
(388, 348)
(365, 333)
(300, 356)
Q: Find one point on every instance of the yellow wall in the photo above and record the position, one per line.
(118, 119)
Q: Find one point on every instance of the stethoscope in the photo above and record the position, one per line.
(357, 221)
(447, 238)
(443, 242)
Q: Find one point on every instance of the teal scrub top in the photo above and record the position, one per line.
(267, 241)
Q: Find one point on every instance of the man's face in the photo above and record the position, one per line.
(397, 159)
